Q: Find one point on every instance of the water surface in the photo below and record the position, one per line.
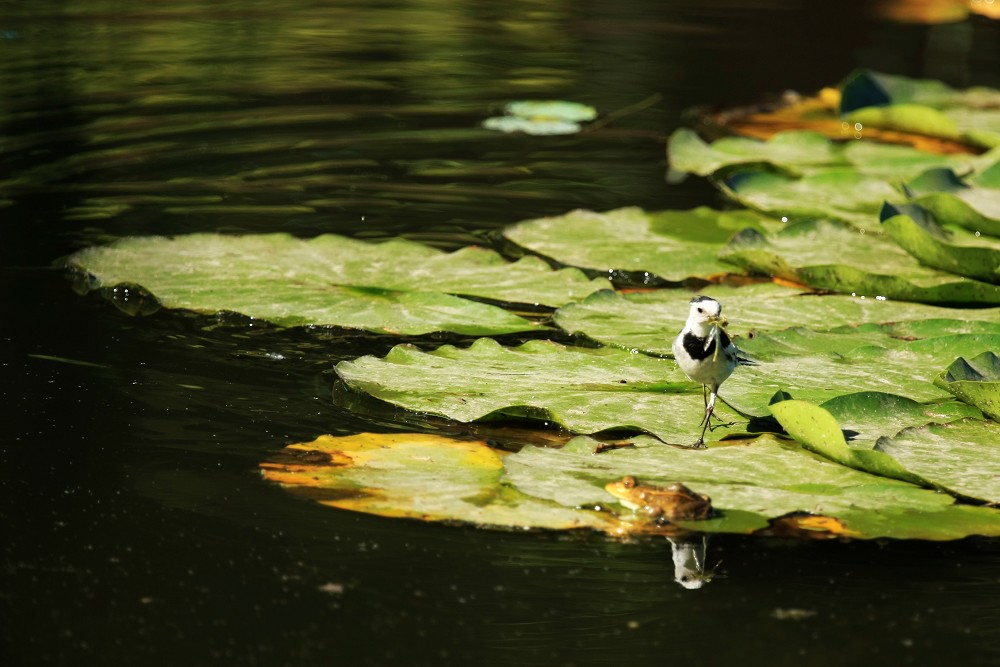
(136, 526)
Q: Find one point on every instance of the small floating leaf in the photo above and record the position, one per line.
(542, 117)
(545, 127)
(554, 109)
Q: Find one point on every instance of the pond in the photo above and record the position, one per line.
(137, 527)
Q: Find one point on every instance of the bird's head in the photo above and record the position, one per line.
(705, 311)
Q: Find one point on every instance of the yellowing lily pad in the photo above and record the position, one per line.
(868, 105)
(419, 476)
(754, 486)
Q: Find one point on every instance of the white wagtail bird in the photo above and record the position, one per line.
(705, 353)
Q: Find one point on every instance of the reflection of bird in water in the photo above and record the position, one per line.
(689, 561)
(705, 353)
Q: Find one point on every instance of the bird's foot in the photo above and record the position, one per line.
(700, 444)
(722, 424)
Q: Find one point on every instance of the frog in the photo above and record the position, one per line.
(663, 504)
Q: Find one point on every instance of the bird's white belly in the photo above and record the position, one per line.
(712, 370)
(707, 371)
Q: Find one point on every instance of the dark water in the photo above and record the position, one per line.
(136, 528)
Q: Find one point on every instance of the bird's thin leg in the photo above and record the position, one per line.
(711, 413)
(709, 409)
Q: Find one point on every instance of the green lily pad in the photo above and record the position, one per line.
(907, 118)
(957, 255)
(649, 321)
(750, 483)
(670, 245)
(826, 254)
(922, 106)
(972, 203)
(584, 390)
(767, 477)
(867, 416)
(895, 163)
(818, 431)
(867, 88)
(398, 286)
(594, 390)
(907, 368)
(975, 381)
(796, 151)
(799, 152)
(961, 456)
(842, 194)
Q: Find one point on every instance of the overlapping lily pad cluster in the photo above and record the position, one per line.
(864, 279)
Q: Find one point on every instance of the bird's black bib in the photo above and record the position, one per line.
(695, 346)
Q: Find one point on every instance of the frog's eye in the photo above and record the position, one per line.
(629, 482)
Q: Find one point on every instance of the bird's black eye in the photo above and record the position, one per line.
(700, 310)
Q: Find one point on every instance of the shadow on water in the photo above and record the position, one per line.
(137, 527)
